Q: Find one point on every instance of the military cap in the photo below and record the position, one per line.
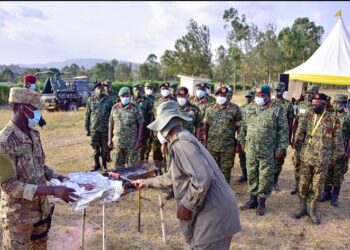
(137, 85)
(173, 85)
(98, 84)
(223, 90)
(313, 90)
(250, 93)
(29, 78)
(123, 91)
(148, 84)
(263, 89)
(320, 96)
(340, 98)
(279, 86)
(26, 96)
(201, 85)
(182, 91)
(165, 84)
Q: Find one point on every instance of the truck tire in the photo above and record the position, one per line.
(72, 106)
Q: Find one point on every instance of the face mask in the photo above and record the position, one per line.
(200, 93)
(182, 101)
(279, 94)
(125, 100)
(165, 92)
(318, 109)
(259, 101)
(221, 100)
(32, 86)
(148, 91)
(161, 138)
(339, 109)
(35, 120)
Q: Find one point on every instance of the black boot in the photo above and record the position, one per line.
(251, 204)
(170, 195)
(314, 213)
(335, 195)
(104, 163)
(326, 195)
(301, 211)
(243, 178)
(275, 183)
(261, 210)
(294, 191)
(97, 164)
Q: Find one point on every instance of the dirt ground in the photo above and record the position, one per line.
(67, 150)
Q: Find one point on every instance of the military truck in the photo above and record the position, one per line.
(60, 94)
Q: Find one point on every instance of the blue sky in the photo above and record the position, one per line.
(41, 32)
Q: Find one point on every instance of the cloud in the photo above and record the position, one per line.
(3, 17)
(33, 13)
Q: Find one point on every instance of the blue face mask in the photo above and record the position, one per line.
(35, 120)
(200, 93)
(125, 100)
(32, 86)
(259, 101)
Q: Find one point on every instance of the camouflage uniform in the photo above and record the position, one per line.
(289, 113)
(152, 100)
(96, 117)
(222, 122)
(317, 152)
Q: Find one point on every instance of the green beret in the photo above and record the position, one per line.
(250, 93)
(263, 89)
(279, 86)
(340, 98)
(182, 91)
(123, 91)
(313, 90)
(173, 85)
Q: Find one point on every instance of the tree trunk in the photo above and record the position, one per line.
(234, 80)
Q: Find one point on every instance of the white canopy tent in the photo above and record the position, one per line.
(330, 64)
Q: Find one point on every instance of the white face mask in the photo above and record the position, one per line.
(32, 86)
(221, 100)
(182, 101)
(161, 138)
(125, 100)
(165, 92)
(200, 93)
(35, 120)
(259, 101)
(148, 91)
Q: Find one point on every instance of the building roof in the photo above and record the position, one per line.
(194, 78)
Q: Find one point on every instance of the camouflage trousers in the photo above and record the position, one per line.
(279, 164)
(335, 175)
(312, 180)
(156, 152)
(99, 144)
(125, 156)
(296, 164)
(225, 161)
(242, 161)
(143, 150)
(260, 171)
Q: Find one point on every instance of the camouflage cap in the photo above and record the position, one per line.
(223, 90)
(26, 96)
(320, 96)
(148, 84)
(165, 84)
(263, 89)
(123, 91)
(182, 91)
(340, 98)
(173, 85)
(250, 93)
(279, 86)
(137, 85)
(201, 85)
(313, 90)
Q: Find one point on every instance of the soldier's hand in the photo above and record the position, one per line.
(278, 155)
(87, 133)
(110, 144)
(65, 194)
(138, 144)
(62, 178)
(163, 149)
(138, 184)
(183, 213)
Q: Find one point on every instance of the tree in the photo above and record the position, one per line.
(102, 71)
(222, 67)
(7, 75)
(150, 70)
(192, 54)
(123, 72)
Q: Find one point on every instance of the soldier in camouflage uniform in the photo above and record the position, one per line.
(149, 94)
(173, 90)
(320, 144)
(25, 209)
(125, 129)
(145, 106)
(242, 158)
(279, 88)
(29, 82)
(336, 173)
(98, 109)
(187, 108)
(221, 121)
(264, 138)
(303, 108)
(202, 101)
(110, 92)
(156, 146)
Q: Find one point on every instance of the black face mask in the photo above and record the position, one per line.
(318, 109)
(279, 94)
(42, 122)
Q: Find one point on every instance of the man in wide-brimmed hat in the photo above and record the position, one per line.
(206, 205)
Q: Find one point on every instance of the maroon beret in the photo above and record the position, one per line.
(29, 78)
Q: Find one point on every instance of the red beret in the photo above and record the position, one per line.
(29, 78)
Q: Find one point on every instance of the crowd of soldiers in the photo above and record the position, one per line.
(260, 131)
